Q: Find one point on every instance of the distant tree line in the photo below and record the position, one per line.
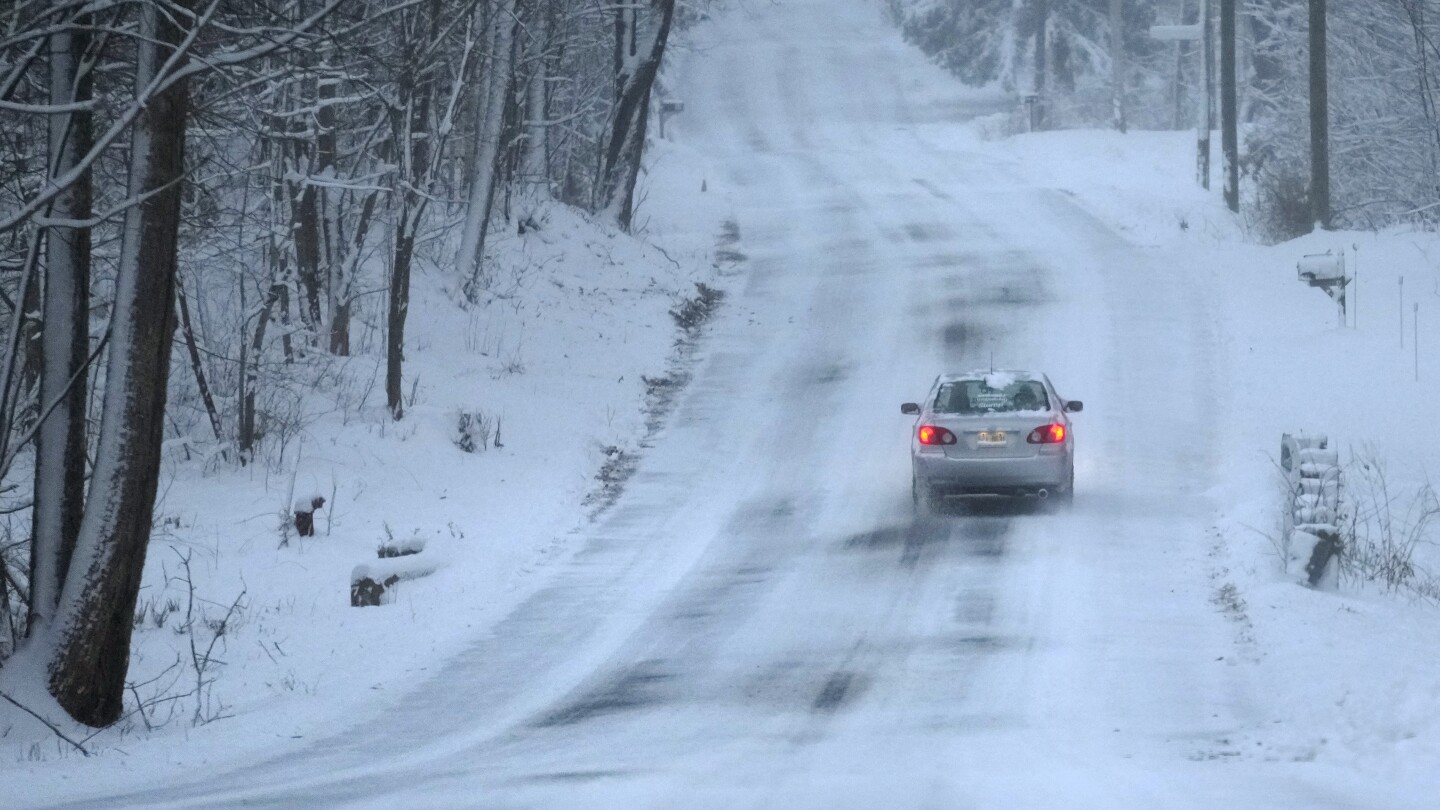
(205, 203)
(1384, 68)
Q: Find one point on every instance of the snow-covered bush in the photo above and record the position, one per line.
(473, 431)
(1390, 531)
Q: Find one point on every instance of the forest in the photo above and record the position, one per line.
(1383, 67)
(205, 203)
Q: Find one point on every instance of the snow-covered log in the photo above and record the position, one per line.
(372, 583)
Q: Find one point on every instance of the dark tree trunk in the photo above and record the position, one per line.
(413, 118)
(1229, 128)
(1042, 45)
(305, 204)
(1117, 65)
(1319, 119)
(197, 365)
(96, 615)
(250, 374)
(636, 68)
(399, 309)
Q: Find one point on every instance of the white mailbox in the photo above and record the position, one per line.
(1326, 271)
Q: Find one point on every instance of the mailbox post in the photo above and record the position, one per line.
(1032, 111)
(1326, 271)
(1199, 33)
(669, 107)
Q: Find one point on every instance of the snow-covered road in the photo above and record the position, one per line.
(760, 620)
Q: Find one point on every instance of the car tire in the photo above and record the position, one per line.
(923, 497)
(1065, 498)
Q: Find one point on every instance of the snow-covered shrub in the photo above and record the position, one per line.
(1389, 531)
(1279, 199)
(473, 431)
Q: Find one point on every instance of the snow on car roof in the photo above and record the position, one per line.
(994, 378)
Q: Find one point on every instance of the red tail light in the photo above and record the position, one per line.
(1049, 434)
(934, 434)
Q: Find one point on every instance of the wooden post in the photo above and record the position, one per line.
(1319, 119)
(1229, 129)
(1117, 63)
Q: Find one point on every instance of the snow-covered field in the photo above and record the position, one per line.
(759, 620)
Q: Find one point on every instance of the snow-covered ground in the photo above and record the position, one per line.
(1355, 673)
(759, 620)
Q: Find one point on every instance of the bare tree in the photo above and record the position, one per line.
(490, 102)
(93, 624)
(640, 36)
(60, 441)
(419, 140)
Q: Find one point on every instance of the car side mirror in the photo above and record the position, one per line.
(910, 409)
(1074, 406)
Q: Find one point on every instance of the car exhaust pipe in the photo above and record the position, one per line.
(1043, 494)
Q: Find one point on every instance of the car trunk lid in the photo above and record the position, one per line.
(993, 435)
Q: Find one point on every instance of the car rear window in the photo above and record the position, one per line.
(975, 396)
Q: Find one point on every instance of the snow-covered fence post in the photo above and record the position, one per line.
(1312, 530)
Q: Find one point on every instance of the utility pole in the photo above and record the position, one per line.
(1117, 62)
(1042, 48)
(1199, 33)
(1229, 130)
(1207, 115)
(1319, 119)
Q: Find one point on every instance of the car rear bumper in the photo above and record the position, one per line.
(997, 476)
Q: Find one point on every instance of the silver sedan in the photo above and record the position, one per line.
(992, 433)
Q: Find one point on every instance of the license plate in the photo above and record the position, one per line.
(990, 438)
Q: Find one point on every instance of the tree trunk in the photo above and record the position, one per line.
(60, 443)
(197, 365)
(640, 49)
(338, 296)
(1229, 127)
(1042, 46)
(535, 162)
(250, 373)
(418, 157)
(395, 326)
(1117, 64)
(1319, 119)
(482, 182)
(92, 629)
(305, 224)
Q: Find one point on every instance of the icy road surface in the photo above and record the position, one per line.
(761, 620)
